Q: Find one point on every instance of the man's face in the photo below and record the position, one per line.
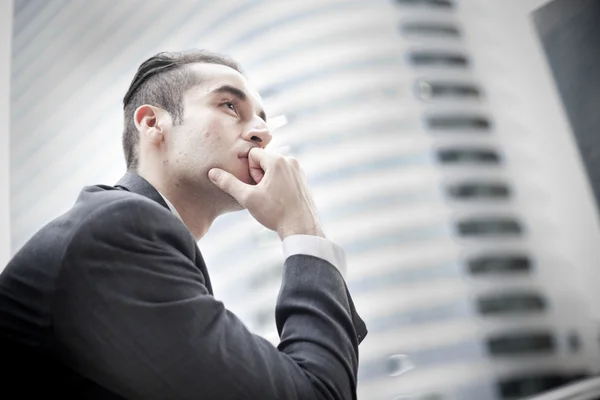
(223, 119)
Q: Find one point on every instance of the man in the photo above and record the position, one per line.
(113, 300)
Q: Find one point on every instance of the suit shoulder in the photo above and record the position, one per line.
(102, 198)
(99, 212)
(114, 217)
(111, 208)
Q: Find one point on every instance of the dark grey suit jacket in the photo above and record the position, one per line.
(113, 300)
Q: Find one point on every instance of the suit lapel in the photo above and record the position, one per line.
(199, 261)
(134, 183)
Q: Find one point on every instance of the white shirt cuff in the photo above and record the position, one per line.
(317, 247)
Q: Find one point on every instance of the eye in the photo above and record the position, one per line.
(231, 105)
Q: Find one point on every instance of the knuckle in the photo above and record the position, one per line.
(279, 161)
(226, 183)
(222, 182)
(293, 162)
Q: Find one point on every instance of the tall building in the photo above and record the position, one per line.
(436, 145)
(397, 112)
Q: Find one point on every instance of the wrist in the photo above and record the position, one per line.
(313, 230)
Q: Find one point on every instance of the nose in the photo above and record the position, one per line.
(258, 133)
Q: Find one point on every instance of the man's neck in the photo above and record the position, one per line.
(194, 210)
(171, 206)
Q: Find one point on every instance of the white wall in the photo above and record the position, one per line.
(5, 42)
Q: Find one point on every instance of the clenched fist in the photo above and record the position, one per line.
(280, 200)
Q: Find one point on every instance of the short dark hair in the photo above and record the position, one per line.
(161, 81)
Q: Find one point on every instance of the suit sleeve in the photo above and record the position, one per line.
(133, 314)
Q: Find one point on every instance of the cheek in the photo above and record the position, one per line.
(215, 127)
(212, 131)
(201, 133)
(204, 139)
(217, 135)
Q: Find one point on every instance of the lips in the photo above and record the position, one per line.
(244, 160)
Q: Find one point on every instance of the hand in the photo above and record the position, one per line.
(280, 200)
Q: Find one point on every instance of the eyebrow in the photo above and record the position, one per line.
(240, 94)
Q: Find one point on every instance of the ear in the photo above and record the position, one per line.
(148, 122)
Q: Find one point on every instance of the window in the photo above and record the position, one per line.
(439, 30)
(524, 385)
(492, 226)
(468, 156)
(431, 90)
(457, 122)
(427, 3)
(478, 190)
(428, 58)
(499, 264)
(521, 343)
(510, 303)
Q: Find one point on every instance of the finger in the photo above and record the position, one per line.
(230, 184)
(262, 158)
(256, 171)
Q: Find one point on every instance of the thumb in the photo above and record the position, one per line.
(229, 184)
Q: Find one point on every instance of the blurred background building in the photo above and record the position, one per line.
(438, 137)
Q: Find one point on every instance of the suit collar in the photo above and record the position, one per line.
(134, 183)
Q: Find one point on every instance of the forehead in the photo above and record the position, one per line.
(213, 76)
